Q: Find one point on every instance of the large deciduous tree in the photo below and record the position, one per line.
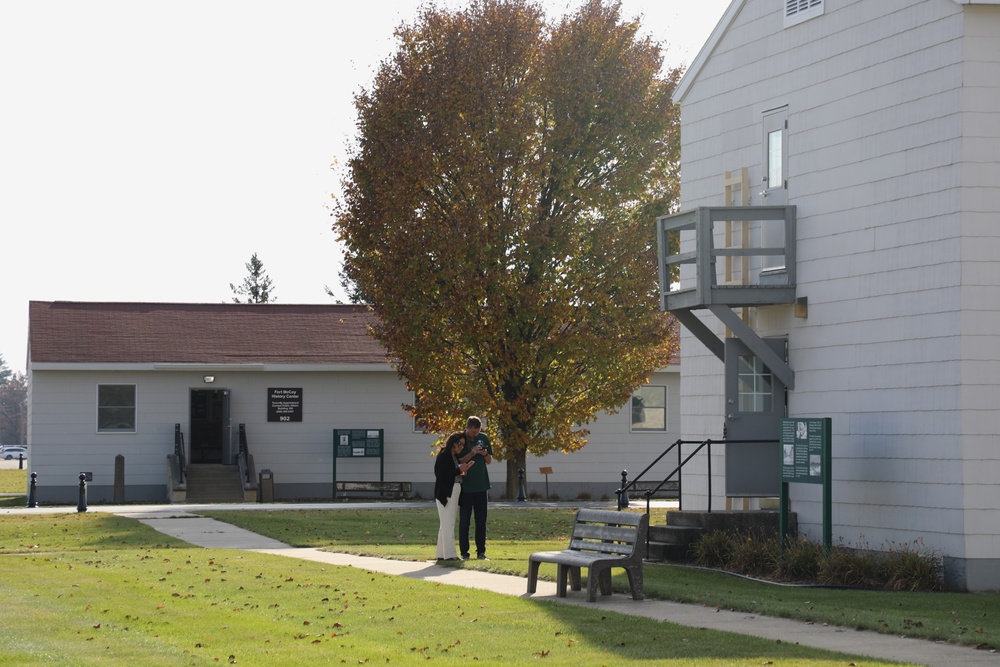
(498, 216)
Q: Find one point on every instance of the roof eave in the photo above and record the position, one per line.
(706, 50)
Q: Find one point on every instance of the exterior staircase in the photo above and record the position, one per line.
(210, 483)
(673, 541)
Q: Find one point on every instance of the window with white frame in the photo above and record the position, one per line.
(754, 383)
(797, 11)
(649, 408)
(419, 425)
(116, 408)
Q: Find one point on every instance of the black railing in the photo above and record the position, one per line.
(179, 454)
(649, 493)
(247, 474)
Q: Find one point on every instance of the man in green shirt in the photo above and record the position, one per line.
(475, 488)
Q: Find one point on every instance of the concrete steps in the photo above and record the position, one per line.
(673, 541)
(211, 483)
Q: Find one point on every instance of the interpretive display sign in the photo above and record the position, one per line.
(803, 443)
(365, 442)
(358, 443)
(805, 459)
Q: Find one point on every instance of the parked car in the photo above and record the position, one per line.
(12, 452)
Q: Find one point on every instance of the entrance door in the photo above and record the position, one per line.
(210, 426)
(755, 404)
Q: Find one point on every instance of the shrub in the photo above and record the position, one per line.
(845, 566)
(755, 555)
(714, 550)
(911, 567)
(908, 567)
(799, 561)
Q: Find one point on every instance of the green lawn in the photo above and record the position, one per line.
(514, 533)
(13, 481)
(96, 589)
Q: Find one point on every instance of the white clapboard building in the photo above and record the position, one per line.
(127, 392)
(840, 232)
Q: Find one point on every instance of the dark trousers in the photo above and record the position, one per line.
(469, 503)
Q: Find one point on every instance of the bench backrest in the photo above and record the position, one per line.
(609, 532)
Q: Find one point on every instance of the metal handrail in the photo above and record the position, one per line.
(245, 460)
(623, 491)
(179, 453)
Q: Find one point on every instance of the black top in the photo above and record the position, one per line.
(445, 472)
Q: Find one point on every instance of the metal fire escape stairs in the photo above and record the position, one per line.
(741, 280)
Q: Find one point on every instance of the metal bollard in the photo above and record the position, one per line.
(31, 490)
(82, 505)
(623, 495)
(20, 461)
(521, 497)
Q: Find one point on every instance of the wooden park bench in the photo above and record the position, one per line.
(374, 490)
(602, 539)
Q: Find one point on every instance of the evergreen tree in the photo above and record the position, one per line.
(256, 287)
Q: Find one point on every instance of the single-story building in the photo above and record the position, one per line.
(134, 385)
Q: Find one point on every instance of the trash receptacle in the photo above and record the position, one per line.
(265, 486)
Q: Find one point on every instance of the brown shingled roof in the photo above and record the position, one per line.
(78, 332)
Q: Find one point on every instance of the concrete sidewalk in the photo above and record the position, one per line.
(182, 523)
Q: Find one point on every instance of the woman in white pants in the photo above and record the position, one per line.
(447, 487)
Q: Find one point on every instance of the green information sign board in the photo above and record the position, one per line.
(805, 459)
(354, 443)
(803, 444)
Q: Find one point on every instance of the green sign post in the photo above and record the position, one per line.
(358, 443)
(805, 459)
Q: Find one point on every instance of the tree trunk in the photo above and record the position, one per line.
(513, 465)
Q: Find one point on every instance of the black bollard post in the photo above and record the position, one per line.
(20, 461)
(82, 505)
(31, 490)
(623, 496)
(521, 497)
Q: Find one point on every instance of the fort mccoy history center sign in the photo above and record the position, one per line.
(284, 405)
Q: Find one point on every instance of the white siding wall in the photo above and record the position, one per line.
(611, 448)
(980, 291)
(897, 248)
(64, 439)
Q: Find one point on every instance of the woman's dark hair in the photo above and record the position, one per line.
(452, 439)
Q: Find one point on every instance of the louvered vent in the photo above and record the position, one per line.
(797, 11)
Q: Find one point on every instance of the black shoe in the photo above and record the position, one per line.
(482, 557)
(465, 556)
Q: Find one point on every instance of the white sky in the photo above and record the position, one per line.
(149, 147)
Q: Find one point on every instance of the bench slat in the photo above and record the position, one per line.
(609, 533)
(602, 547)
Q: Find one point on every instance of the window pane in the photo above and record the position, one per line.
(774, 156)
(649, 409)
(116, 407)
(753, 385)
(110, 395)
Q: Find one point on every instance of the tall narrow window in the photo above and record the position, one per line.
(116, 408)
(774, 182)
(649, 409)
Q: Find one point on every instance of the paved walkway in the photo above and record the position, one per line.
(182, 522)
